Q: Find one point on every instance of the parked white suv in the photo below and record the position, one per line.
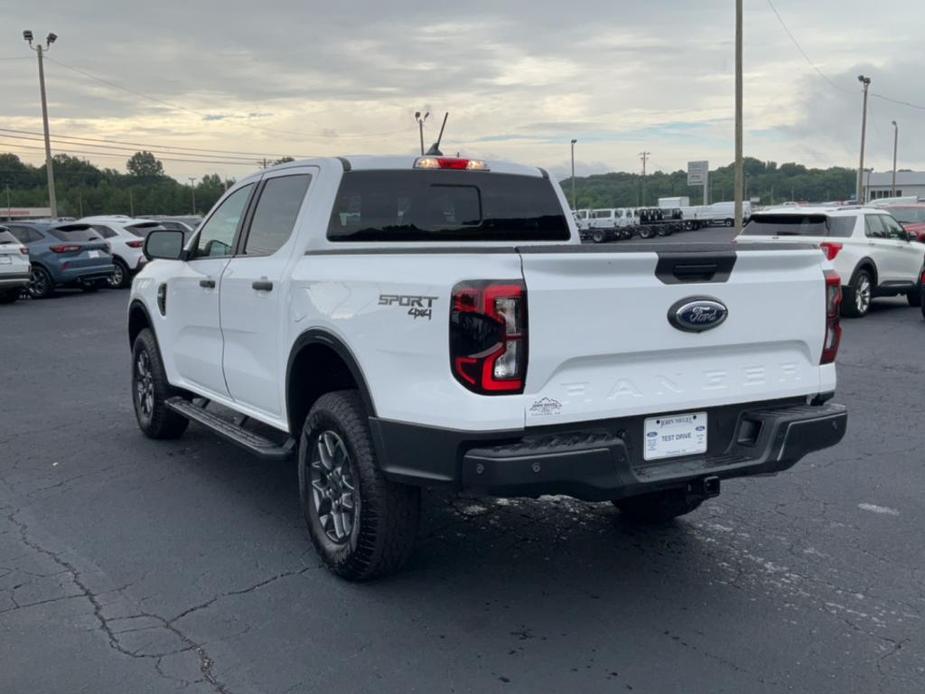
(404, 322)
(871, 251)
(126, 238)
(14, 267)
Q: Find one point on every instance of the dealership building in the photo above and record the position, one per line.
(879, 184)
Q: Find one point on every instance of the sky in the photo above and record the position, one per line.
(217, 86)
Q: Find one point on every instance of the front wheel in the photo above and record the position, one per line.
(362, 525)
(857, 295)
(597, 236)
(658, 507)
(150, 391)
(645, 233)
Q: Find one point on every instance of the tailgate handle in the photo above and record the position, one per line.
(686, 267)
(703, 272)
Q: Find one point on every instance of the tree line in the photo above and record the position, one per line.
(84, 189)
(766, 181)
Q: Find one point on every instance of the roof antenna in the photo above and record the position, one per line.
(435, 148)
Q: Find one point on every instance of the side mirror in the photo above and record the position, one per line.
(910, 236)
(164, 244)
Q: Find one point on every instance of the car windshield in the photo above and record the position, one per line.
(446, 206)
(74, 233)
(798, 225)
(908, 215)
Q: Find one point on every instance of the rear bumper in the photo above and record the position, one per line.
(20, 279)
(597, 461)
(84, 274)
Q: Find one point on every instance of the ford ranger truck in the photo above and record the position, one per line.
(396, 323)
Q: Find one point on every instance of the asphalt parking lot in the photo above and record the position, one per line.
(129, 565)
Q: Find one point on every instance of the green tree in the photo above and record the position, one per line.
(145, 165)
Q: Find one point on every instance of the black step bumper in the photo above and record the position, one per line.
(603, 460)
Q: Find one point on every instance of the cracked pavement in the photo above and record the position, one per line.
(129, 565)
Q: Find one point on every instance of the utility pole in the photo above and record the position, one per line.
(895, 144)
(739, 164)
(131, 203)
(192, 187)
(860, 192)
(574, 203)
(420, 120)
(9, 206)
(644, 156)
(49, 168)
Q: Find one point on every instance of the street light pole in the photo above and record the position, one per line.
(49, 168)
(420, 120)
(644, 156)
(895, 145)
(192, 187)
(866, 82)
(739, 164)
(574, 202)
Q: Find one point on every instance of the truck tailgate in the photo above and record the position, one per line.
(601, 344)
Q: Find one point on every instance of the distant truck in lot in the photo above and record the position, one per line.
(399, 322)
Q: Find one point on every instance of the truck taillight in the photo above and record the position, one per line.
(832, 324)
(831, 249)
(488, 336)
(64, 248)
(24, 250)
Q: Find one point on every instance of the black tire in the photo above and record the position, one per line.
(646, 233)
(150, 391)
(857, 295)
(728, 222)
(383, 514)
(121, 277)
(42, 285)
(8, 297)
(658, 507)
(597, 236)
(915, 296)
(89, 287)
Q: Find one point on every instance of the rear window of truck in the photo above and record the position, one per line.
(446, 206)
(799, 225)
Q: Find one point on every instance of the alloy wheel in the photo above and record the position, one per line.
(862, 295)
(333, 487)
(38, 285)
(117, 277)
(144, 384)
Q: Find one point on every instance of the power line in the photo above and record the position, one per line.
(802, 52)
(824, 76)
(125, 149)
(148, 146)
(122, 156)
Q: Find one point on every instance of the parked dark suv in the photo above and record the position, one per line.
(63, 255)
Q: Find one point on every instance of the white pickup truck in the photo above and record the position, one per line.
(399, 322)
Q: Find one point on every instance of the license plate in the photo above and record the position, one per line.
(675, 435)
(94, 254)
(6, 260)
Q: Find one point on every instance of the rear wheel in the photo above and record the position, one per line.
(728, 222)
(150, 391)
(658, 507)
(120, 277)
(857, 295)
(914, 297)
(597, 236)
(41, 285)
(362, 525)
(646, 233)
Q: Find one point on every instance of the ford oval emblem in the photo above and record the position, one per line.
(697, 313)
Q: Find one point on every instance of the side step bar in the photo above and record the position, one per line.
(255, 443)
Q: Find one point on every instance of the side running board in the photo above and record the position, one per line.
(255, 443)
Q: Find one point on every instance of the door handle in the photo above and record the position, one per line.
(207, 284)
(262, 285)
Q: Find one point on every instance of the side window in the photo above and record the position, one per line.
(25, 234)
(216, 237)
(103, 231)
(874, 227)
(893, 228)
(275, 214)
